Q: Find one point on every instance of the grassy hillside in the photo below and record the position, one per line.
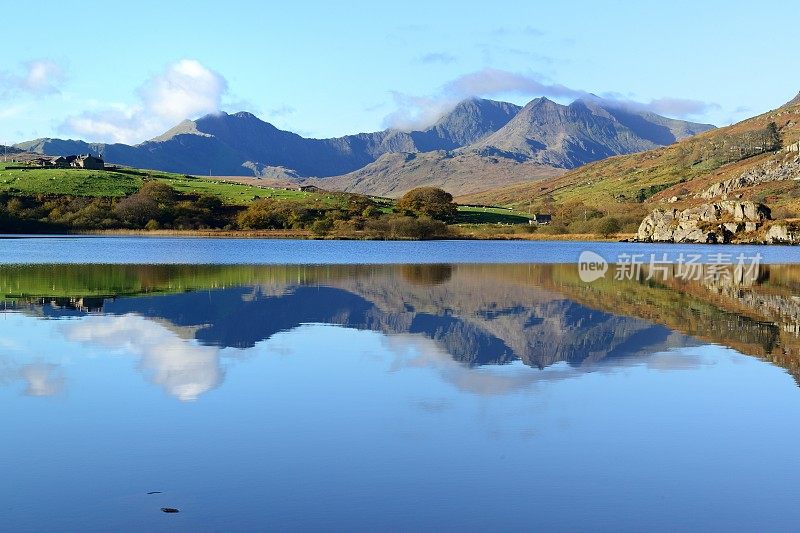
(19, 180)
(23, 181)
(58, 200)
(629, 186)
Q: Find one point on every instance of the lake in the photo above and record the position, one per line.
(355, 386)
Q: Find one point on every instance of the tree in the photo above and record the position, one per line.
(137, 209)
(608, 227)
(322, 227)
(428, 201)
(772, 137)
(159, 192)
(357, 205)
(263, 214)
(151, 202)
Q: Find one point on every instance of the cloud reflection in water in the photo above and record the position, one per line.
(183, 369)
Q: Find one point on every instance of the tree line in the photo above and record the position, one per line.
(420, 214)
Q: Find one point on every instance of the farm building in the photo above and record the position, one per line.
(88, 162)
(539, 219)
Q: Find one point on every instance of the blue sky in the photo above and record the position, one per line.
(325, 69)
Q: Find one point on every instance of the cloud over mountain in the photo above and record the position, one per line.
(184, 89)
(418, 112)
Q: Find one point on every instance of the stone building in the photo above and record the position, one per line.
(88, 162)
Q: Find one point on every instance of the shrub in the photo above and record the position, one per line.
(262, 214)
(557, 228)
(608, 226)
(428, 201)
(406, 227)
(322, 227)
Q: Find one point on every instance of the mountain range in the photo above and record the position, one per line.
(717, 163)
(478, 145)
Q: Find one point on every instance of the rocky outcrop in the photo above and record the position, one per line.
(774, 171)
(720, 222)
(783, 233)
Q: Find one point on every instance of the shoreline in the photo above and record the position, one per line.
(307, 235)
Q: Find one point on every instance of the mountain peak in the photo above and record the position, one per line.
(207, 125)
(244, 115)
(469, 121)
(541, 102)
(589, 129)
(186, 127)
(591, 99)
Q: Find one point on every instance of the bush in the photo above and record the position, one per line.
(406, 227)
(322, 227)
(137, 209)
(428, 201)
(608, 226)
(360, 205)
(263, 214)
(557, 228)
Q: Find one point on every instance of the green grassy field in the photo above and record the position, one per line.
(15, 179)
(18, 180)
(490, 215)
(74, 182)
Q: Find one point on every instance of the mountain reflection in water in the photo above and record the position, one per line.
(183, 322)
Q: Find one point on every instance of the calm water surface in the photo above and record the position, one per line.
(391, 396)
(158, 250)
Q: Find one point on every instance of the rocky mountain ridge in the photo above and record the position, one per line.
(479, 144)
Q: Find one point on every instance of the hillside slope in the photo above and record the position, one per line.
(459, 172)
(678, 174)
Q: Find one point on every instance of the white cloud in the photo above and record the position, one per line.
(43, 77)
(491, 81)
(39, 77)
(183, 369)
(185, 89)
(418, 112)
(43, 379)
(416, 351)
(673, 107)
